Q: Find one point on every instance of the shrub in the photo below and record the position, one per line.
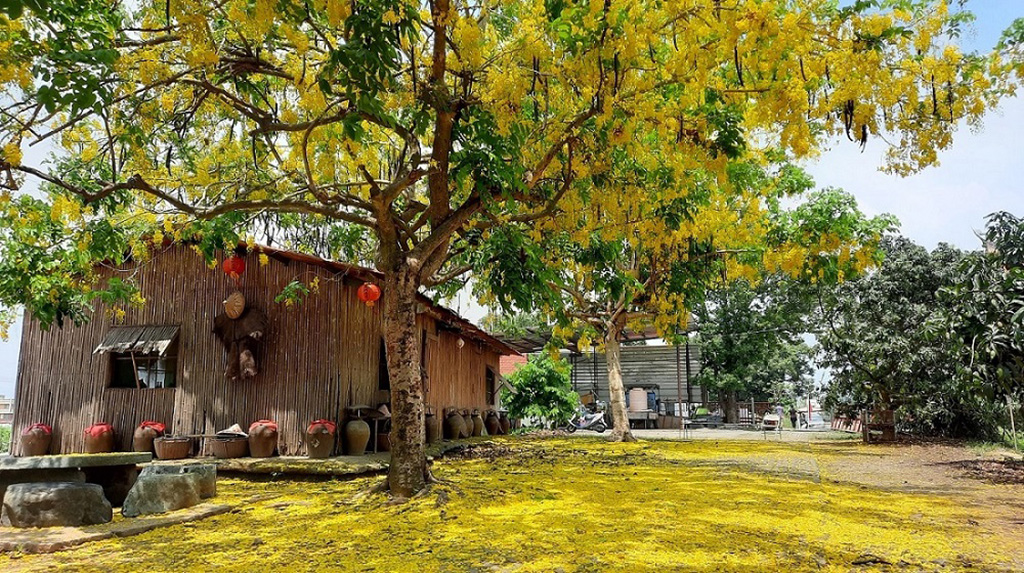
(541, 390)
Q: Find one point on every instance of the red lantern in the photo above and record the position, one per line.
(234, 266)
(369, 293)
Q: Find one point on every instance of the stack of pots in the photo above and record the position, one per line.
(357, 435)
(142, 440)
(99, 438)
(35, 440)
(262, 438)
(320, 437)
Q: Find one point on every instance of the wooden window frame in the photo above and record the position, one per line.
(150, 359)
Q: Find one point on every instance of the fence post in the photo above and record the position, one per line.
(1013, 426)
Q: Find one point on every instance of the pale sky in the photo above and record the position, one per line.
(981, 173)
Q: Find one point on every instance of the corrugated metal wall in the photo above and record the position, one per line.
(641, 366)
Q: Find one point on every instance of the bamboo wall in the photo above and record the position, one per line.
(316, 358)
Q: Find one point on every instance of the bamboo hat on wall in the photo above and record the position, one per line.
(234, 305)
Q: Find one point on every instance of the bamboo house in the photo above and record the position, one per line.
(177, 360)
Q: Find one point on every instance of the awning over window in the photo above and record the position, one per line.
(138, 339)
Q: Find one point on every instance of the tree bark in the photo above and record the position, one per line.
(731, 408)
(616, 390)
(407, 474)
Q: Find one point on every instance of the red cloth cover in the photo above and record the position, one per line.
(46, 428)
(331, 427)
(99, 429)
(160, 427)
(269, 423)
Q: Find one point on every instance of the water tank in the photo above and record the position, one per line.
(637, 400)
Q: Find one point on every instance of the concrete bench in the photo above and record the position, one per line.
(115, 472)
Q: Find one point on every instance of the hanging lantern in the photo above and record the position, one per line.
(369, 293)
(234, 266)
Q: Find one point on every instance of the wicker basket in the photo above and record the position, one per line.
(230, 447)
(171, 448)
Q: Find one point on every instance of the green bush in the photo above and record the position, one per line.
(541, 390)
(5, 439)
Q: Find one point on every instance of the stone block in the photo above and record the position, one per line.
(48, 504)
(160, 493)
(206, 475)
(8, 477)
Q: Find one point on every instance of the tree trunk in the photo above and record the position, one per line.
(408, 472)
(616, 390)
(731, 408)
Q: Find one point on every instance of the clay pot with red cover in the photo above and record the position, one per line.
(320, 436)
(142, 440)
(35, 440)
(99, 438)
(262, 438)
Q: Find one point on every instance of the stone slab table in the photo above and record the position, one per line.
(115, 472)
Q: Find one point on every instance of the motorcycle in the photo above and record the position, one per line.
(584, 419)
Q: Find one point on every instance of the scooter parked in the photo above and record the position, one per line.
(584, 419)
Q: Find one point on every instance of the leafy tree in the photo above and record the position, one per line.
(984, 312)
(512, 324)
(877, 339)
(749, 337)
(432, 125)
(541, 389)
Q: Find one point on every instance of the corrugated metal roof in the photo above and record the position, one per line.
(139, 339)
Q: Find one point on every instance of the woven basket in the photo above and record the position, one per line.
(233, 447)
(171, 448)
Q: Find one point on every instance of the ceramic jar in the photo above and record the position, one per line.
(454, 425)
(492, 423)
(35, 440)
(99, 438)
(320, 436)
(262, 438)
(433, 428)
(478, 424)
(142, 440)
(357, 435)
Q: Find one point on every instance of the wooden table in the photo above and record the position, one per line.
(115, 471)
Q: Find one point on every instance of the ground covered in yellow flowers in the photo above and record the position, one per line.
(581, 504)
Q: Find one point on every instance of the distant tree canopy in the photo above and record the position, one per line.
(936, 336)
(750, 340)
(874, 334)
